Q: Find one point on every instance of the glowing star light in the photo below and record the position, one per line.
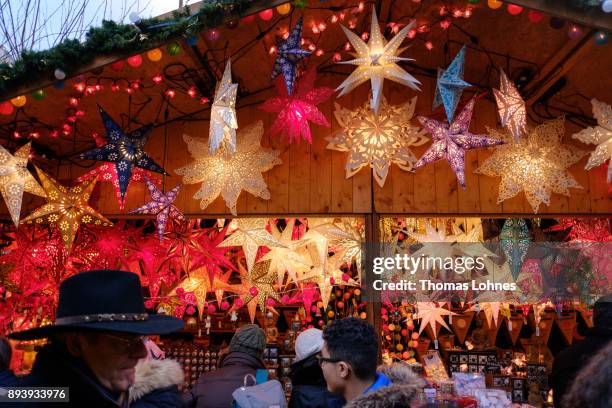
(289, 55)
(294, 111)
(223, 121)
(430, 314)
(15, 179)
(286, 260)
(536, 165)
(126, 151)
(600, 135)
(510, 106)
(227, 176)
(450, 85)
(161, 205)
(451, 142)
(377, 139)
(260, 283)
(376, 61)
(66, 208)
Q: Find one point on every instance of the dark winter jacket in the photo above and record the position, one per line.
(8, 379)
(54, 367)
(400, 394)
(214, 389)
(156, 384)
(570, 361)
(308, 387)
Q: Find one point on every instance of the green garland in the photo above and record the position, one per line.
(115, 39)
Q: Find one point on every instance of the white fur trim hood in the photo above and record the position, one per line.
(155, 374)
(403, 391)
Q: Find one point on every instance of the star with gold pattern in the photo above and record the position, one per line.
(376, 61)
(66, 208)
(537, 164)
(600, 135)
(226, 175)
(15, 179)
(260, 283)
(200, 284)
(377, 139)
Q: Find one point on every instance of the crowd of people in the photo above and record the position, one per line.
(99, 348)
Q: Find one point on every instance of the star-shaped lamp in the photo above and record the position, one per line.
(261, 285)
(227, 176)
(377, 139)
(200, 284)
(289, 55)
(514, 239)
(536, 164)
(510, 106)
(66, 208)
(161, 205)
(223, 121)
(286, 260)
(295, 111)
(451, 141)
(600, 135)
(450, 85)
(376, 61)
(15, 179)
(430, 315)
(126, 151)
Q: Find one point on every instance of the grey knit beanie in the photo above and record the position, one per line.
(249, 339)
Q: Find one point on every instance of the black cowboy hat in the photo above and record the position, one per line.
(105, 300)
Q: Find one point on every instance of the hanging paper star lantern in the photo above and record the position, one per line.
(223, 121)
(536, 165)
(326, 273)
(161, 205)
(286, 259)
(510, 106)
(377, 139)
(15, 179)
(108, 172)
(126, 151)
(430, 315)
(435, 243)
(228, 175)
(289, 55)
(260, 282)
(450, 85)
(199, 283)
(376, 61)
(66, 208)
(322, 232)
(350, 249)
(307, 295)
(451, 141)
(295, 111)
(514, 239)
(250, 235)
(600, 135)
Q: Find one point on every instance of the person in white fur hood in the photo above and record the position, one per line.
(156, 381)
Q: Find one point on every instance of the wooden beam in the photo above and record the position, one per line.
(557, 66)
(590, 17)
(103, 61)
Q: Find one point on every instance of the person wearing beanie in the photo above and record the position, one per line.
(214, 389)
(308, 387)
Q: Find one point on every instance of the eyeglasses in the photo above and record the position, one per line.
(321, 359)
(128, 342)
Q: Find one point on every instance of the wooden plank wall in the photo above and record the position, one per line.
(311, 179)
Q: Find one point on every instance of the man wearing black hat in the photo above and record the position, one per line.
(96, 340)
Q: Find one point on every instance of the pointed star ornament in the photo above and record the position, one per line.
(451, 141)
(261, 283)
(200, 284)
(600, 135)
(161, 205)
(67, 208)
(223, 120)
(15, 179)
(227, 176)
(377, 139)
(295, 111)
(450, 85)
(250, 234)
(537, 164)
(430, 314)
(289, 55)
(376, 61)
(510, 106)
(126, 151)
(514, 239)
(286, 260)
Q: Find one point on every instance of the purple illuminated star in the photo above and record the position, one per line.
(161, 206)
(451, 142)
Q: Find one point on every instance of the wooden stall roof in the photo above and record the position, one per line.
(559, 74)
